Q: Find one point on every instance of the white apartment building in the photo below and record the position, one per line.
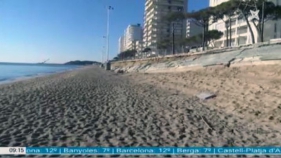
(240, 31)
(214, 3)
(139, 46)
(193, 28)
(155, 27)
(121, 44)
(133, 33)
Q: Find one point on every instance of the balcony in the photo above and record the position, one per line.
(152, 21)
(173, 2)
(149, 12)
(149, 4)
(149, 32)
(152, 37)
(241, 20)
(147, 1)
(242, 30)
(150, 17)
(149, 28)
(165, 10)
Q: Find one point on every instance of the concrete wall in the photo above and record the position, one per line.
(233, 57)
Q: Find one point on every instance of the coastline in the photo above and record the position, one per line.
(24, 78)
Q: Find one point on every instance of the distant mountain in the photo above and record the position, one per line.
(78, 62)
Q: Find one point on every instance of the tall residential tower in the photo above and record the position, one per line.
(121, 44)
(156, 28)
(133, 33)
(131, 39)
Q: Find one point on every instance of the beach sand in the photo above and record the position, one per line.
(94, 107)
(251, 93)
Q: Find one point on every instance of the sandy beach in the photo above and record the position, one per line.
(94, 107)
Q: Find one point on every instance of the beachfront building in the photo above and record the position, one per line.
(133, 33)
(121, 44)
(240, 31)
(193, 28)
(139, 46)
(155, 27)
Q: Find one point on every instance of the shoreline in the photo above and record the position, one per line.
(39, 75)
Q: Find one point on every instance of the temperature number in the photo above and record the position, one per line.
(165, 150)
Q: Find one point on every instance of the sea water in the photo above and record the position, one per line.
(13, 71)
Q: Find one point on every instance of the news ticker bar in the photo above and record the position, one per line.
(140, 151)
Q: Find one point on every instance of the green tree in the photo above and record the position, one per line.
(225, 11)
(210, 36)
(203, 18)
(213, 35)
(175, 16)
(163, 44)
(174, 19)
(267, 11)
(147, 49)
(127, 54)
(193, 41)
(116, 58)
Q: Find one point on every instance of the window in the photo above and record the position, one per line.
(242, 30)
(168, 30)
(233, 21)
(169, 1)
(169, 7)
(240, 20)
(179, 9)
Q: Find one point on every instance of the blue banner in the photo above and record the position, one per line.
(153, 150)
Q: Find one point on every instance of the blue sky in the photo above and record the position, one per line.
(64, 30)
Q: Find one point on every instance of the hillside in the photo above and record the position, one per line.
(78, 62)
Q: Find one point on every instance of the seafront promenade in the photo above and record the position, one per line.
(94, 107)
(258, 54)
